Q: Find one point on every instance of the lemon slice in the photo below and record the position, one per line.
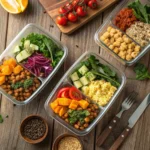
(14, 6)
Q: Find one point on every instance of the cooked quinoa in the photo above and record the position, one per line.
(69, 143)
(140, 32)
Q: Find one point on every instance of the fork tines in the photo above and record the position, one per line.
(131, 97)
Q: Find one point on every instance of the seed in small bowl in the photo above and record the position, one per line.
(34, 129)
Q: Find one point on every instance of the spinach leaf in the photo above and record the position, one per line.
(1, 119)
(141, 72)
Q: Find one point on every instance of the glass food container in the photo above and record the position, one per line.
(32, 28)
(66, 81)
(110, 22)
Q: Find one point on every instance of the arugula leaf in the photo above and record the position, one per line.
(1, 119)
(141, 72)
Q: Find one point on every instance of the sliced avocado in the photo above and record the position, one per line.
(23, 55)
(83, 70)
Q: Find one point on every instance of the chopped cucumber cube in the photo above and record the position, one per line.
(84, 80)
(17, 49)
(90, 76)
(77, 84)
(74, 76)
(83, 70)
(27, 44)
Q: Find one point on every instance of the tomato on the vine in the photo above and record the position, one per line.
(69, 6)
(75, 4)
(86, 2)
(92, 4)
(81, 11)
(62, 20)
(72, 16)
(62, 10)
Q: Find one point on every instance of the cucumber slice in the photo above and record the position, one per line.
(77, 84)
(17, 49)
(27, 44)
(90, 76)
(84, 80)
(83, 70)
(74, 76)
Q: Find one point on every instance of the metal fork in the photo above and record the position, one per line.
(127, 103)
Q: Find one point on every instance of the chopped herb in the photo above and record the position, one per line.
(7, 116)
(16, 85)
(28, 83)
(142, 72)
(1, 119)
(77, 115)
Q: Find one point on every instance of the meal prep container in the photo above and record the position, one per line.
(66, 80)
(32, 28)
(109, 22)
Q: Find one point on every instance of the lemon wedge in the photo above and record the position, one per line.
(14, 6)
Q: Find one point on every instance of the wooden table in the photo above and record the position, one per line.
(77, 43)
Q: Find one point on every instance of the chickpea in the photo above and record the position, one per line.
(66, 115)
(134, 54)
(67, 120)
(4, 86)
(28, 77)
(37, 85)
(87, 119)
(76, 126)
(89, 109)
(16, 94)
(28, 73)
(79, 108)
(116, 50)
(95, 114)
(112, 40)
(86, 125)
(17, 77)
(93, 108)
(128, 57)
(113, 31)
(34, 88)
(137, 48)
(102, 38)
(26, 90)
(81, 128)
(111, 47)
(91, 113)
(8, 86)
(79, 124)
(21, 89)
(106, 35)
(109, 28)
(28, 94)
(96, 107)
(10, 92)
(91, 117)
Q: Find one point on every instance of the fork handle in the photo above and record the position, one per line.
(101, 139)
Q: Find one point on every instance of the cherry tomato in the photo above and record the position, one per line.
(62, 10)
(62, 20)
(75, 94)
(86, 2)
(65, 94)
(72, 16)
(75, 4)
(66, 89)
(69, 6)
(92, 4)
(81, 11)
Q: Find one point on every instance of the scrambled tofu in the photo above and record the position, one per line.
(99, 91)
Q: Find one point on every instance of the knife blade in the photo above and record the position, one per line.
(132, 121)
(139, 111)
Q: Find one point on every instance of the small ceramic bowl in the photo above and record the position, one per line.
(22, 127)
(59, 138)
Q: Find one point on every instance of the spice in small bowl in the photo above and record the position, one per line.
(34, 129)
(67, 142)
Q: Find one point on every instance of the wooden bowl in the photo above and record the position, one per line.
(23, 124)
(58, 139)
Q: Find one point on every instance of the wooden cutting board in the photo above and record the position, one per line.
(52, 6)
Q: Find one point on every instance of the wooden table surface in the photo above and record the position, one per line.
(79, 42)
